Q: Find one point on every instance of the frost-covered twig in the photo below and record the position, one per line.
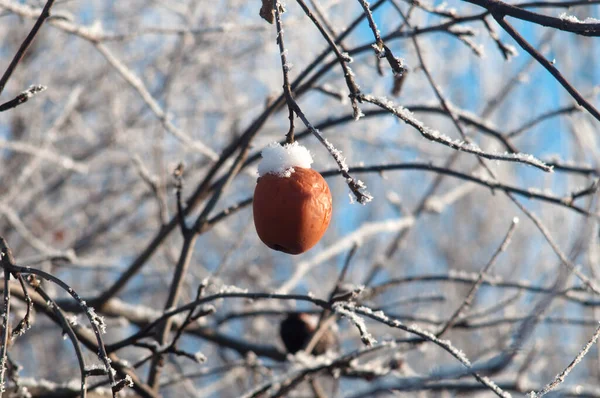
(68, 329)
(86, 337)
(285, 67)
(530, 193)
(343, 60)
(548, 65)
(407, 386)
(500, 8)
(572, 18)
(25, 45)
(22, 98)
(468, 278)
(6, 260)
(366, 337)
(381, 50)
(25, 323)
(281, 385)
(189, 238)
(96, 322)
(428, 336)
(171, 348)
(175, 289)
(146, 330)
(159, 351)
(406, 116)
(357, 187)
(507, 50)
(441, 10)
(562, 375)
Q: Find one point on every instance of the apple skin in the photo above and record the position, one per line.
(291, 214)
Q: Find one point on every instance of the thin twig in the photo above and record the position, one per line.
(96, 322)
(547, 64)
(25, 45)
(22, 98)
(406, 116)
(66, 325)
(590, 285)
(4, 259)
(500, 8)
(381, 50)
(469, 299)
(285, 67)
(343, 60)
(379, 316)
(562, 375)
(178, 175)
(25, 323)
(325, 319)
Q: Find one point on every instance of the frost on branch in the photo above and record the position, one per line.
(433, 135)
(572, 18)
(96, 319)
(357, 187)
(342, 309)
(33, 89)
(337, 155)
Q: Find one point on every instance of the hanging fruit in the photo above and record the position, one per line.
(297, 329)
(292, 202)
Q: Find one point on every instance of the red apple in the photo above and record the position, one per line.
(291, 214)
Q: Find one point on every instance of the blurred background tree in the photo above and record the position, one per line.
(127, 170)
